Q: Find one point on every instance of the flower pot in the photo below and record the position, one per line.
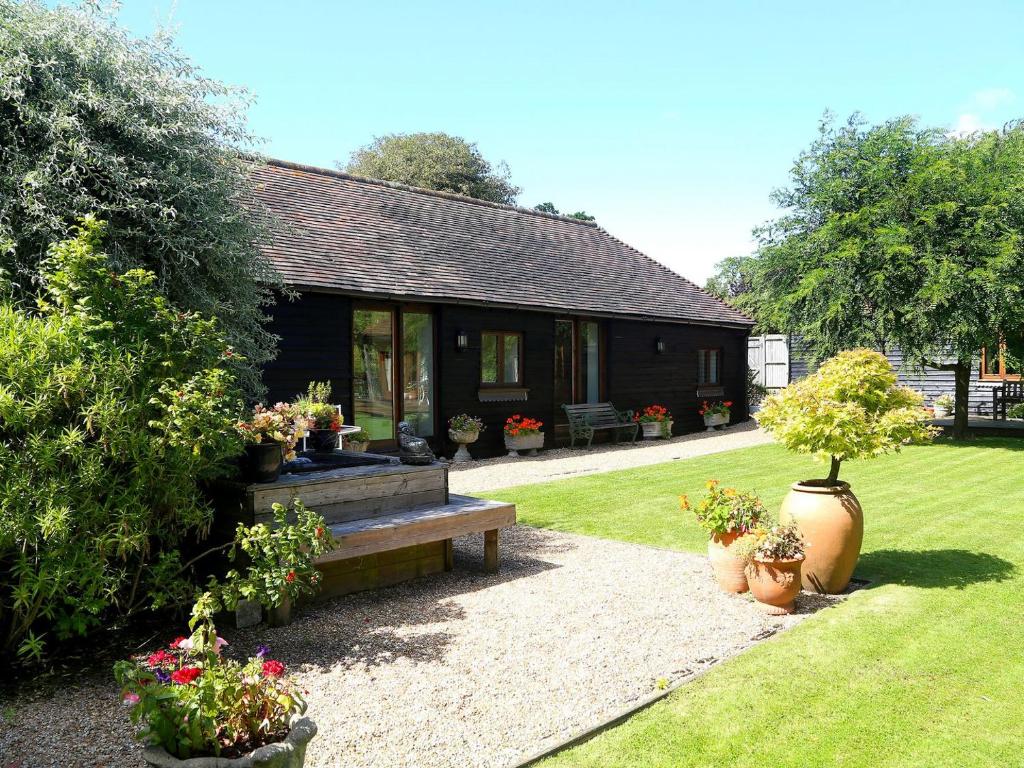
(322, 440)
(712, 420)
(263, 462)
(463, 438)
(775, 584)
(290, 753)
(524, 443)
(831, 521)
(359, 446)
(727, 567)
(941, 411)
(655, 429)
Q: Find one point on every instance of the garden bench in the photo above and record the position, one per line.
(1007, 393)
(587, 418)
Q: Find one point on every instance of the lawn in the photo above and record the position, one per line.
(924, 668)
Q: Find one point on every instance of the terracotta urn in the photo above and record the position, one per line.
(727, 567)
(775, 584)
(831, 521)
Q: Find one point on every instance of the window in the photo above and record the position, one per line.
(1003, 361)
(709, 366)
(501, 359)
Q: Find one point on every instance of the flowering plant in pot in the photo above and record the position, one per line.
(270, 437)
(655, 421)
(358, 441)
(323, 419)
(772, 554)
(727, 515)
(464, 429)
(943, 405)
(191, 700)
(850, 408)
(715, 414)
(523, 433)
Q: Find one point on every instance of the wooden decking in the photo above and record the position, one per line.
(982, 426)
(422, 525)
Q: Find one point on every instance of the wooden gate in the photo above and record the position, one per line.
(769, 356)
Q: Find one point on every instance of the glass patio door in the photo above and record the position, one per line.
(393, 372)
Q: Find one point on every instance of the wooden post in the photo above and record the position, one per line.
(491, 551)
(449, 555)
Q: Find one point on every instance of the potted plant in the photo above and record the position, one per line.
(270, 437)
(727, 515)
(324, 420)
(655, 421)
(772, 554)
(464, 430)
(715, 414)
(192, 701)
(850, 408)
(523, 434)
(943, 406)
(358, 441)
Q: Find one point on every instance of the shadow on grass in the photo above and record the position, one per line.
(933, 568)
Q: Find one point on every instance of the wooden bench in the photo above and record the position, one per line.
(1007, 393)
(587, 418)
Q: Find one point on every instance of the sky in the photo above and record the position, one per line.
(671, 122)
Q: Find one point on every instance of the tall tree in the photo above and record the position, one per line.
(94, 121)
(550, 208)
(434, 161)
(900, 236)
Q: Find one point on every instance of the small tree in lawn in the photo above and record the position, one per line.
(851, 408)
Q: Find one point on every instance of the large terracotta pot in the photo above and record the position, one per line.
(727, 567)
(774, 584)
(831, 521)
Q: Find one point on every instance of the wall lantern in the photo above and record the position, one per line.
(659, 345)
(462, 341)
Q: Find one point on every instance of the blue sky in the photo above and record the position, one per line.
(671, 122)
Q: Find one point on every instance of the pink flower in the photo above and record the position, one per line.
(131, 698)
(218, 644)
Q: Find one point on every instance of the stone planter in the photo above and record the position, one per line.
(831, 521)
(712, 421)
(359, 446)
(262, 463)
(463, 439)
(322, 440)
(524, 443)
(728, 568)
(655, 429)
(941, 412)
(290, 753)
(774, 584)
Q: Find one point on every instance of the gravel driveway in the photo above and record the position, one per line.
(462, 669)
(557, 464)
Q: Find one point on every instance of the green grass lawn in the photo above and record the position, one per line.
(924, 668)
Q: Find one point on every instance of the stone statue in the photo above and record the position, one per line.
(412, 449)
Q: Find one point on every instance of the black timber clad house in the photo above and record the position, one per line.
(418, 305)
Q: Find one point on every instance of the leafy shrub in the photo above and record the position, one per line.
(850, 408)
(1015, 411)
(114, 405)
(95, 121)
(726, 510)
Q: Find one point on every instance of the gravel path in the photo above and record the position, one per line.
(462, 669)
(503, 472)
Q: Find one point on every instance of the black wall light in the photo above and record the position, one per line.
(462, 341)
(659, 345)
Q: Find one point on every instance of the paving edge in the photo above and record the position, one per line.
(625, 714)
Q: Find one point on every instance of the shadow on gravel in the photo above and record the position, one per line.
(934, 568)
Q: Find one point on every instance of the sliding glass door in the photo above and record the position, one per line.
(393, 371)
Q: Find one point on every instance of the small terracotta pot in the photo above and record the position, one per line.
(831, 522)
(727, 567)
(775, 584)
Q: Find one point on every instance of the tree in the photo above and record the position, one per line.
(434, 161)
(850, 408)
(93, 121)
(899, 236)
(733, 284)
(550, 208)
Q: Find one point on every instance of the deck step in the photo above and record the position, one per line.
(419, 525)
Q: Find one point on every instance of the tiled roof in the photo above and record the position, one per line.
(362, 236)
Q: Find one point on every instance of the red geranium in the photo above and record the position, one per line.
(177, 642)
(517, 425)
(160, 657)
(290, 577)
(185, 675)
(273, 668)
